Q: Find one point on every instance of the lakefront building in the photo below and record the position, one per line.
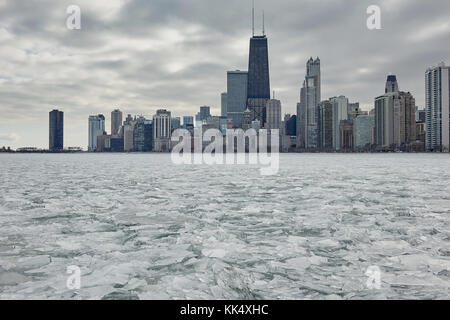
(310, 97)
(56, 130)
(437, 106)
(258, 87)
(162, 130)
(116, 121)
(395, 125)
(96, 128)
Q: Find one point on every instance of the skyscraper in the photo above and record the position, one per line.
(116, 121)
(143, 135)
(162, 130)
(395, 125)
(56, 130)
(223, 104)
(340, 113)
(258, 88)
(96, 128)
(237, 82)
(310, 95)
(437, 105)
(273, 108)
(325, 124)
(362, 131)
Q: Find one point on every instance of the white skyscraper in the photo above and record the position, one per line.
(310, 95)
(340, 112)
(437, 105)
(96, 128)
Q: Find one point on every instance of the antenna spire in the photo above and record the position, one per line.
(253, 19)
(264, 31)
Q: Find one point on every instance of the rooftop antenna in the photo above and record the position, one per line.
(253, 18)
(264, 31)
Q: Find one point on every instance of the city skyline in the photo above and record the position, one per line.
(65, 70)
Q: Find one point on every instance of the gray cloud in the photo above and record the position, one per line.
(141, 55)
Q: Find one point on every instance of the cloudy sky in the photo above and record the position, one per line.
(140, 55)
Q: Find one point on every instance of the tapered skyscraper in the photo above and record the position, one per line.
(258, 87)
(56, 130)
(307, 117)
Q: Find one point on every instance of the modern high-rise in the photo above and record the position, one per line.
(437, 106)
(384, 119)
(362, 131)
(340, 113)
(325, 124)
(143, 135)
(223, 104)
(162, 130)
(96, 128)
(116, 122)
(258, 88)
(273, 112)
(310, 95)
(237, 82)
(56, 130)
(395, 125)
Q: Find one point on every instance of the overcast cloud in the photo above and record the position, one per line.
(142, 55)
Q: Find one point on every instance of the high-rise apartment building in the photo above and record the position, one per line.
(340, 113)
(325, 124)
(162, 130)
(56, 130)
(437, 106)
(116, 122)
(96, 128)
(395, 125)
(362, 131)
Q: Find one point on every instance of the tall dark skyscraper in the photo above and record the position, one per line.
(258, 88)
(56, 132)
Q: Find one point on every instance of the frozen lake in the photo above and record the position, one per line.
(140, 227)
